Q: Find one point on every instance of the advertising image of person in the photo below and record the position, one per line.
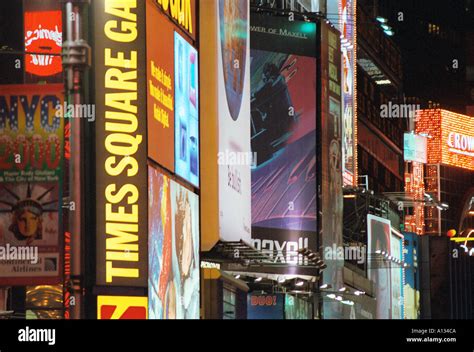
(25, 225)
(186, 242)
(186, 111)
(161, 305)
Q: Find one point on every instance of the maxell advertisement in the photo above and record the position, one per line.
(120, 129)
(331, 160)
(173, 282)
(283, 132)
(31, 172)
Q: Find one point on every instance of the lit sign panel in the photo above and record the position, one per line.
(414, 148)
(121, 159)
(122, 307)
(43, 34)
(182, 12)
(450, 140)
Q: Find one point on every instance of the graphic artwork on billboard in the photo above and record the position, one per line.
(387, 275)
(173, 249)
(233, 51)
(43, 34)
(233, 118)
(31, 161)
(186, 111)
(283, 129)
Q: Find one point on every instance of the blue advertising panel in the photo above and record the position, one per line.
(265, 306)
(186, 111)
(412, 276)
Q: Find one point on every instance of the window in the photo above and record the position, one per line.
(228, 308)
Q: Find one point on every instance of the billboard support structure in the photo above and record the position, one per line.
(75, 60)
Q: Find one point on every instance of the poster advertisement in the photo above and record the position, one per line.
(160, 86)
(411, 287)
(379, 269)
(233, 65)
(397, 277)
(186, 110)
(31, 161)
(331, 160)
(43, 37)
(173, 280)
(283, 132)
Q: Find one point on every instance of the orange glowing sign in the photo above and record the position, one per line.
(122, 307)
(43, 37)
(450, 137)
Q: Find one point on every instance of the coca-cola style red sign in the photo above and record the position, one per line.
(43, 34)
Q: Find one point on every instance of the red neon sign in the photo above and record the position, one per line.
(43, 35)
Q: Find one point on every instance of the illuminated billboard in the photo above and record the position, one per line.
(31, 173)
(283, 120)
(160, 85)
(121, 307)
(343, 16)
(331, 159)
(182, 13)
(173, 242)
(225, 188)
(186, 110)
(415, 148)
(385, 267)
(43, 37)
(451, 137)
(411, 287)
(120, 133)
(397, 280)
(283, 135)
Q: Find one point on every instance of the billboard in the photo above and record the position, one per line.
(43, 37)
(182, 13)
(397, 278)
(160, 86)
(120, 134)
(283, 131)
(31, 172)
(173, 279)
(415, 148)
(384, 246)
(269, 307)
(121, 307)
(451, 139)
(411, 288)
(226, 130)
(186, 110)
(331, 159)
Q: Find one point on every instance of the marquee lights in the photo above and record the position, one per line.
(451, 143)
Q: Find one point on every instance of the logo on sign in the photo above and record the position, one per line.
(44, 38)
